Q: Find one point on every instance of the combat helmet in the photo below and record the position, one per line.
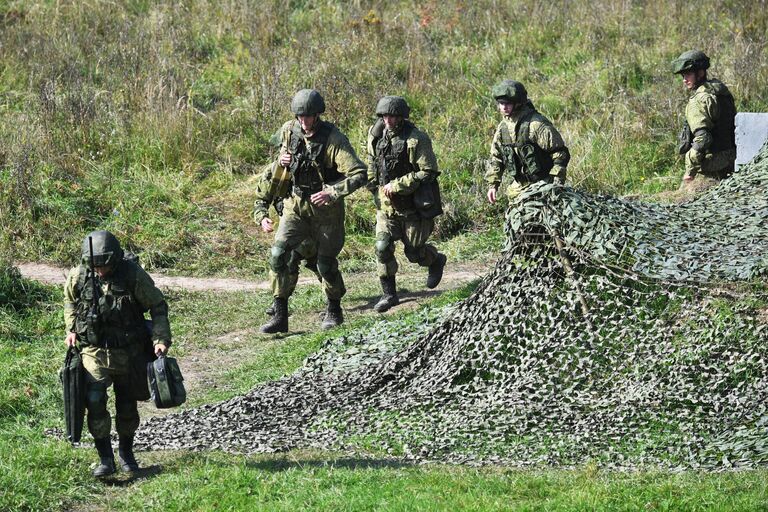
(394, 106)
(106, 249)
(510, 90)
(307, 102)
(690, 61)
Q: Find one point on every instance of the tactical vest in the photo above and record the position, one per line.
(529, 162)
(391, 160)
(307, 163)
(119, 319)
(724, 131)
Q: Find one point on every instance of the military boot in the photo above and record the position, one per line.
(389, 298)
(271, 309)
(125, 454)
(106, 457)
(333, 315)
(279, 321)
(436, 271)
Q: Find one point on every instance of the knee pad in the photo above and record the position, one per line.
(96, 396)
(384, 247)
(278, 258)
(328, 267)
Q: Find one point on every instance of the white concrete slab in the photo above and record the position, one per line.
(751, 134)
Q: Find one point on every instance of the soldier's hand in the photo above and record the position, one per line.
(687, 177)
(321, 198)
(266, 225)
(388, 190)
(492, 195)
(161, 349)
(71, 339)
(285, 159)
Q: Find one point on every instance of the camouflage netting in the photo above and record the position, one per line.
(618, 332)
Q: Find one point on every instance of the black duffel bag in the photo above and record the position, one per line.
(166, 385)
(72, 376)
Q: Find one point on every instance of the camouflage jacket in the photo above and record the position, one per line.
(336, 156)
(130, 289)
(542, 134)
(416, 163)
(710, 116)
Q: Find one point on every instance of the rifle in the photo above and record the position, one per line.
(92, 319)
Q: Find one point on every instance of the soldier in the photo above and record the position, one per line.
(525, 144)
(319, 168)
(111, 331)
(402, 174)
(307, 251)
(708, 138)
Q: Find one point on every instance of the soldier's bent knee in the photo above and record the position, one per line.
(96, 397)
(328, 267)
(278, 259)
(413, 254)
(384, 248)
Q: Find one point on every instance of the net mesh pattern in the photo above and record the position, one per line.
(612, 331)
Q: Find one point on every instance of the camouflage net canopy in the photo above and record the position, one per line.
(628, 334)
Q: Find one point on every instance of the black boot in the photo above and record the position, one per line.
(125, 454)
(271, 309)
(333, 315)
(436, 271)
(106, 457)
(389, 298)
(279, 322)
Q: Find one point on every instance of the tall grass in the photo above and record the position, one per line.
(150, 118)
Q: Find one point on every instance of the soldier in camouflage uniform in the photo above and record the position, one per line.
(525, 144)
(708, 138)
(318, 167)
(113, 339)
(402, 172)
(306, 252)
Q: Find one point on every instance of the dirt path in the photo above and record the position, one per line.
(50, 274)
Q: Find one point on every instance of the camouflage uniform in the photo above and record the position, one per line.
(323, 162)
(413, 162)
(307, 251)
(708, 138)
(115, 353)
(526, 145)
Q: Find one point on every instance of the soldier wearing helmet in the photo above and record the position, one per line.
(708, 138)
(402, 174)
(318, 168)
(105, 299)
(526, 145)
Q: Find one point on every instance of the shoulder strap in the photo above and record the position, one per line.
(523, 128)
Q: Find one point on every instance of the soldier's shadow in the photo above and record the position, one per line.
(123, 479)
(404, 295)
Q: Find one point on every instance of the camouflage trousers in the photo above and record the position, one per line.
(103, 368)
(712, 165)
(303, 227)
(413, 231)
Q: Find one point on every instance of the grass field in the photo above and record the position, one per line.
(151, 118)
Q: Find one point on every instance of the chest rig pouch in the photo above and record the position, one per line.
(308, 170)
(391, 160)
(528, 161)
(118, 320)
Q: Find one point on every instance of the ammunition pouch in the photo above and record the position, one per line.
(427, 200)
(72, 376)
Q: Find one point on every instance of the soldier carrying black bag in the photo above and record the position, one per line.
(105, 300)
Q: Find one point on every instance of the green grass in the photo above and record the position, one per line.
(42, 473)
(151, 118)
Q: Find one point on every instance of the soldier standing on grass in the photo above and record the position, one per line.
(525, 144)
(708, 138)
(320, 168)
(113, 337)
(402, 174)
